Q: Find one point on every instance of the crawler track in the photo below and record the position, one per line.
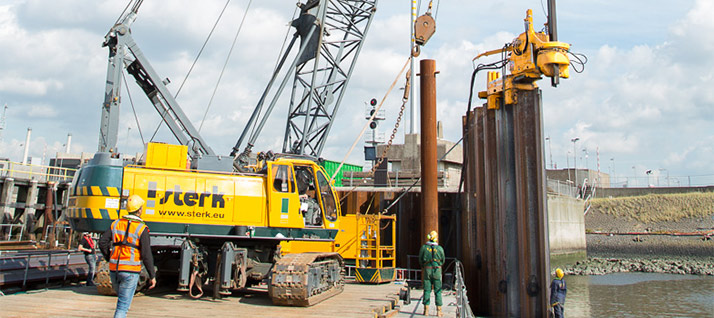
(306, 279)
(104, 282)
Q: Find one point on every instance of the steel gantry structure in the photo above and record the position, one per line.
(331, 34)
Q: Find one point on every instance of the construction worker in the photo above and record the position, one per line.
(431, 258)
(125, 245)
(86, 245)
(557, 293)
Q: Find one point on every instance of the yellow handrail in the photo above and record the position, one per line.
(39, 172)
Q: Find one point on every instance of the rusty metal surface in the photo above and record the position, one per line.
(532, 213)
(505, 227)
(429, 198)
(494, 231)
(294, 277)
(507, 207)
(424, 28)
(475, 250)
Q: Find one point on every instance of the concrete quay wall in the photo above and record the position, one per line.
(566, 225)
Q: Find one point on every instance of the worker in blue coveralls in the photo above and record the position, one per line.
(431, 258)
(557, 293)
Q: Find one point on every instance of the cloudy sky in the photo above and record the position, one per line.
(644, 101)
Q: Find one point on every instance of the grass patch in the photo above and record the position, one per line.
(658, 207)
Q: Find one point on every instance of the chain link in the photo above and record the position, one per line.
(391, 138)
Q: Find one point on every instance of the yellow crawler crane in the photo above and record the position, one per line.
(221, 228)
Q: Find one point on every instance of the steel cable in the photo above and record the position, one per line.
(131, 101)
(201, 50)
(235, 38)
(371, 119)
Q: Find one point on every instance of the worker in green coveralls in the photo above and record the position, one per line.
(431, 258)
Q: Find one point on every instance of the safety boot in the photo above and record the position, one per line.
(438, 311)
(426, 310)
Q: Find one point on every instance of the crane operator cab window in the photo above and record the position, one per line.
(282, 178)
(328, 201)
(309, 206)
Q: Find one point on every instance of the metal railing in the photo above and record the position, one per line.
(6, 235)
(463, 309)
(38, 266)
(562, 188)
(61, 232)
(35, 172)
(395, 179)
(350, 271)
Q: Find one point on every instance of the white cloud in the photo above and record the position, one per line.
(23, 86)
(643, 99)
(46, 111)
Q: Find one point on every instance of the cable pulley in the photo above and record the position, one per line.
(424, 28)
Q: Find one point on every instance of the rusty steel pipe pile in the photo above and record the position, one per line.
(505, 224)
(429, 194)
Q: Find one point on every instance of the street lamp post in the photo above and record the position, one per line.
(648, 173)
(585, 151)
(575, 158)
(550, 152)
(567, 164)
(612, 159)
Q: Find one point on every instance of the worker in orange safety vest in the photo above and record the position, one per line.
(126, 245)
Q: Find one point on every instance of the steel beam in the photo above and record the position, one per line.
(506, 212)
(429, 197)
(494, 232)
(532, 206)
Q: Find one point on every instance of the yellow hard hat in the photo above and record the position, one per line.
(559, 273)
(134, 203)
(432, 236)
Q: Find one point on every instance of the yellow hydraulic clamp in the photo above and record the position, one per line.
(530, 56)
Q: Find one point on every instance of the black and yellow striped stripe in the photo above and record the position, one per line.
(89, 213)
(376, 275)
(96, 191)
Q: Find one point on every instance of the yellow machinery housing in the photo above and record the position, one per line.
(234, 220)
(530, 56)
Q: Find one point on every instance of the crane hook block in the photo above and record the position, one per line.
(424, 28)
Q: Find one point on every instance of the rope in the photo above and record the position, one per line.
(495, 65)
(436, 14)
(192, 282)
(287, 33)
(163, 115)
(419, 179)
(122, 13)
(201, 50)
(359, 137)
(225, 64)
(131, 101)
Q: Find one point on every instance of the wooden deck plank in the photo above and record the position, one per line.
(356, 301)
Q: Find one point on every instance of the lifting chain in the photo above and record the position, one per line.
(405, 98)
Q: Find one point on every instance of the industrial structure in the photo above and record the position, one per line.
(234, 221)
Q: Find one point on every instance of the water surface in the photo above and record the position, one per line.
(640, 295)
